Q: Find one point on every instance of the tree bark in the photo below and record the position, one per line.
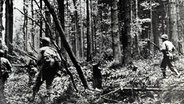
(1, 16)
(77, 34)
(25, 7)
(89, 58)
(117, 46)
(9, 25)
(41, 23)
(48, 19)
(32, 26)
(61, 7)
(126, 16)
(173, 23)
(65, 43)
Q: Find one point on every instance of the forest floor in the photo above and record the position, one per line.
(121, 85)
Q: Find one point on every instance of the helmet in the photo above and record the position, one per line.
(45, 39)
(164, 36)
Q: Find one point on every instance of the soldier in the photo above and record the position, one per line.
(5, 69)
(167, 48)
(48, 65)
(5, 66)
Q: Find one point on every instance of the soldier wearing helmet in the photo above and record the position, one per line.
(167, 48)
(45, 41)
(47, 63)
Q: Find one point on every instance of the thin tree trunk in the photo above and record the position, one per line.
(81, 32)
(9, 25)
(32, 25)
(77, 34)
(1, 16)
(112, 36)
(100, 27)
(41, 23)
(65, 44)
(25, 7)
(91, 27)
(48, 19)
(117, 46)
(88, 33)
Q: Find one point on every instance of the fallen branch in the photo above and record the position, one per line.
(114, 101)
(111, 92)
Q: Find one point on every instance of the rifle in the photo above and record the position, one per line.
(153, 44)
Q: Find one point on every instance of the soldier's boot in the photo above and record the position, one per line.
(175, 71)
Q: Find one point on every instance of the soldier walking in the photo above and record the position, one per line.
(167, 48)
(48, 65)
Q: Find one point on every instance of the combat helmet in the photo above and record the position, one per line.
(164, 36)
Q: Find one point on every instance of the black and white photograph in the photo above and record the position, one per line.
(91, 51)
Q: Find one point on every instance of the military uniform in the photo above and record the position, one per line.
(47, 66)
(167, 49)
(5, 69)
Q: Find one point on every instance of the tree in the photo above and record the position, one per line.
(25, 28)
(89, 58)
(9, 25)
(115, 30)
(77, 33)
(173, 22)
(125, 16)
(1, 16)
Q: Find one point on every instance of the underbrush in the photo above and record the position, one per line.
(119, 83)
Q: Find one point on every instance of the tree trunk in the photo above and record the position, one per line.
(25, 7)
(91, 27)
(61, 7)
(77, 34)
(100, 18)
(32, 26)
(82, 32)
(41, 23)
(173, 23)
(89, 58)
(48, 19)
(1, 16)
(126, 16)
(117, 45)
(9, 25)
(65, 44)
(112, 36)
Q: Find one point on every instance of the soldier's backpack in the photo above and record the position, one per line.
(50, 56)
(171, 53)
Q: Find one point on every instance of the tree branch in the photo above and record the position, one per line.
(29, 17)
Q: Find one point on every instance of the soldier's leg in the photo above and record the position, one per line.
(49, 81)
(163, 67)
(171, 67)
(37, 85)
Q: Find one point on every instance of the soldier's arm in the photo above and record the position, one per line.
(40, 57)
